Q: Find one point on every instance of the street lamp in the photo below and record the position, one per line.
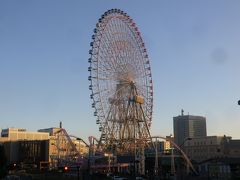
(89, 149)
(181, 151)
(109, 160)
(185, 139)
(79, 148)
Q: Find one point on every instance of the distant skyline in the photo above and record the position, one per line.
(194, 48)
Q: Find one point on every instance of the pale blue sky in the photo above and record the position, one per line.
(194, 47)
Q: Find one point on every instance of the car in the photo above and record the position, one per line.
(139, 178)
(118, 178)
(109, 174)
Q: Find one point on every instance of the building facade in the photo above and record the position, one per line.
(15, 134)
(52, 146)
(201, 149)
(231, 147)
(14, 138)
(216, 156)
(52, 131)
(188, 126)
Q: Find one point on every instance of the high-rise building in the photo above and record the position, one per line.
(188, 126)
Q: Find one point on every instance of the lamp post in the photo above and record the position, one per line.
(109, 155)
(185, 139)
(79, 148)
(88, 162)
(180, 150)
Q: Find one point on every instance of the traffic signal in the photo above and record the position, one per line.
(13, 166)
(239, 102)
(65, 168)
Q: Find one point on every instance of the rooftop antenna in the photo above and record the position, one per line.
(60, 124)
(182, 111)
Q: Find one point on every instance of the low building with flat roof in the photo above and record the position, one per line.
(15, 134)
(11, 138)
(204, 148)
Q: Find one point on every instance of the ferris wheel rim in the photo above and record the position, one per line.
(94, 78)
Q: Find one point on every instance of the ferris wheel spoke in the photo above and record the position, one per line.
(138, 55)
(114, 50)
(106, 53)
(105, 48)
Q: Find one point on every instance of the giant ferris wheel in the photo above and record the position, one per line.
(120, 82)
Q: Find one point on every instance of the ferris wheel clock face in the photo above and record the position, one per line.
(120, 75)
